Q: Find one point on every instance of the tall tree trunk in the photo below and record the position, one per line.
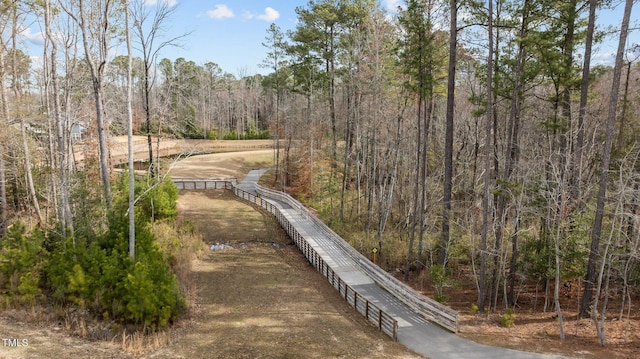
(66, 220)
(18, 100)
(625, 107)
(419, 164)
(567, 83)
(387, 186)
(576, 178)
(4, 208)
(487, 166)
(132, 174)
(28, 171)
(513, 143)
(590, 276)
(147, 115)
(277, 149)
(97, 72)
(351, 110)
(448, 147)
(556, 290)
(423, 176)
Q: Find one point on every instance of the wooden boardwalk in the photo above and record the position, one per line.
(419, 323)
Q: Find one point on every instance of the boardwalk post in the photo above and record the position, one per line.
(355, 301)
(395, 330)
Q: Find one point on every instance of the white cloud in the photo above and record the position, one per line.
(604, 58)
(220, 12)
(33, 37)
(36, 62)
(270, 14)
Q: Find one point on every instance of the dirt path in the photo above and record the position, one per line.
(261, 299)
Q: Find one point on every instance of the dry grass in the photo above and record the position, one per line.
(261, 299)
(181, 244)
(138, 343)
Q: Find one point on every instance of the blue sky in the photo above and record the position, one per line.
(231, 33)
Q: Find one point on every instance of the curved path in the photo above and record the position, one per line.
(414, 332)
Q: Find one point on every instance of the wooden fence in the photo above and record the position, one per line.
(212, 183)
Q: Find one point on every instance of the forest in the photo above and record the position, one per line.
(459, 138)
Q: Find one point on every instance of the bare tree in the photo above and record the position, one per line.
(66, 219)
(132, 173)
(18, 62)
(150, 24)
(96, 27)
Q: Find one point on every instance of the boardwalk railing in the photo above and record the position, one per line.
(212, 183)
(424, 306)
(430, 309)
(383, 320)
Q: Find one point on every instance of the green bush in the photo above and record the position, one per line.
(474, 309)
(438, 277)
(249, 135)
(21, 260)
(233, 135)
(212, 134)
(98, 274)
(28, 289)
(75, 273)
(508, 319)
(159, 203)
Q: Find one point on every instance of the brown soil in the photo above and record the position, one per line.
(536, 330)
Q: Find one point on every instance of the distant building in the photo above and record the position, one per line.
(77, 131)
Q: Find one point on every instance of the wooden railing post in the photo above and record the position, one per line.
(355, 300)
(366, 310)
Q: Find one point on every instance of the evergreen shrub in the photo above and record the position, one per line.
(98, 274)
(21, 263)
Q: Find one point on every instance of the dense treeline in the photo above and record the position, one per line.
(459, 138)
